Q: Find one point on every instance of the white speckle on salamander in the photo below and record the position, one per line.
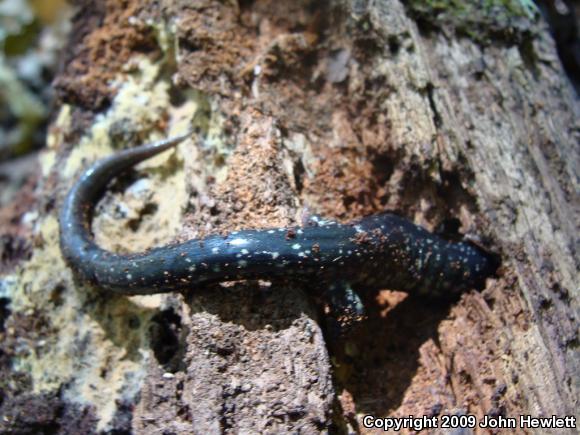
(296, 246)
(238, 242)
(245, 251)
(215, 250)
(129, 276)
(275, 255)
(242, 263)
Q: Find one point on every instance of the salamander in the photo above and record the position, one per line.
(378, 251)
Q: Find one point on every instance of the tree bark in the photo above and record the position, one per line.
(344, 108)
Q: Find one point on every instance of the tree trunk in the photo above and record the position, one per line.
(455, 116)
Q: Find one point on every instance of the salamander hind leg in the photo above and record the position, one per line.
(313, 220)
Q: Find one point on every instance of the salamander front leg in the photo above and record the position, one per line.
(345, 310)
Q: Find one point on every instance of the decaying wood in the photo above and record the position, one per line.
(346, 108)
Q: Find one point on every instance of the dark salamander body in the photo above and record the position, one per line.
(381, 251)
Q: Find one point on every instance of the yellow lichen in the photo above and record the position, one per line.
(90, 344)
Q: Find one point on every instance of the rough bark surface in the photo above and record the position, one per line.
(345, 108)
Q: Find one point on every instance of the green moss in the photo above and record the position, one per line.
(485, 21)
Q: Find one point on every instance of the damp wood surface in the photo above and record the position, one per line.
(341, 108)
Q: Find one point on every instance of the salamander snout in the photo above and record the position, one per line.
(479, 265)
